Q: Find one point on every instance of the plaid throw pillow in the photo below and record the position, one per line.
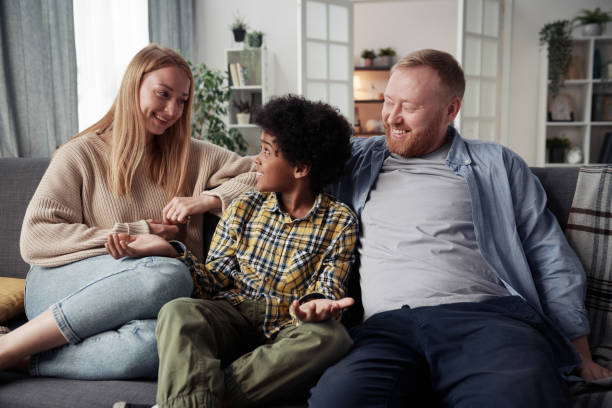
(589, 232)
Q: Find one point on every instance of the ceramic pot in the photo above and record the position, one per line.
(254, 40)
(592, 30)
(368, 62)
(556, 155)
(243, 118)
(386, 60)
(239, 34)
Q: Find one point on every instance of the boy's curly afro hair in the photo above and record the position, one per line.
(311, 133)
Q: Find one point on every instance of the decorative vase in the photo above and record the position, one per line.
(243, 118)
(239, 34)
(592, 30)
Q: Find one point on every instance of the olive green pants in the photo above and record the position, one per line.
(211, 351)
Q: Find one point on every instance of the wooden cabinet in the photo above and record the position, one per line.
(582, 111)
(368, 87)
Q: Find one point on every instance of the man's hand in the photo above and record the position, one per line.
(591, 371)
(137, 246)
(165, 231)
(180, 209)
(318, 310)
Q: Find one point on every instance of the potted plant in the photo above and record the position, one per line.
(243, 114)
(592, 21)
(255, 39)
(556, 147)
(239, 27)
(557, 35)
(386, 56)
(210, 100)
(368, 57)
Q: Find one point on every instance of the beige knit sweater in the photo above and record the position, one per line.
(73, 211)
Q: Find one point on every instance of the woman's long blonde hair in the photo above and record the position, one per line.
(166, 159)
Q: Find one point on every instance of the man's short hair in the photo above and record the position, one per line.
(447, 67)
(310, 133)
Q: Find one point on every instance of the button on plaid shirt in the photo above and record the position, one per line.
(258, 252)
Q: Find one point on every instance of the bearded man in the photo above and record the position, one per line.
(471, 294)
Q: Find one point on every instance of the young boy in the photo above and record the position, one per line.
(265, 326)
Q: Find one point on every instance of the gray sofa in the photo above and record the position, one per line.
(17, 184)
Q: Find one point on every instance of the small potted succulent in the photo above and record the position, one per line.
(368, 57)
(255, 39)
(386, 56)
(239, 27)
(592, 21)
(556, 147)
(243, 111)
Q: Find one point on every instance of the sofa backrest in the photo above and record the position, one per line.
(19, 179)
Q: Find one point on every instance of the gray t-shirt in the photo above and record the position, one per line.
(418, 246)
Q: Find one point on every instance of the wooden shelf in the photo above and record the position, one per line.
(372, 68)
(369, 100)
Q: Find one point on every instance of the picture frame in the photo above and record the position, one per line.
(560, 108)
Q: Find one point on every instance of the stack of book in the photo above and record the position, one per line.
(605, 154)
(237, 74)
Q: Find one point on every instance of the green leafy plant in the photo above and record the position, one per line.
(239, 23)
(557, 35)
(368, 54)
(596, 16)
(211, 96)
(390, 52)
(242, 106)
(255, 38)
(557, 142)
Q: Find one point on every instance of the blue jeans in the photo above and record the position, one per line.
(106, 309)
(499, 352)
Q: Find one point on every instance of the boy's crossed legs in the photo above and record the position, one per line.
(202, 346)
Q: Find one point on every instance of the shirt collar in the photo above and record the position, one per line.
(273, 205)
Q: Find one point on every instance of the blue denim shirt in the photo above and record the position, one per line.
(517, 235)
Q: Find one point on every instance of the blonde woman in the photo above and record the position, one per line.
(135, 171)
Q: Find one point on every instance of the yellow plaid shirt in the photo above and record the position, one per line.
(258, 252)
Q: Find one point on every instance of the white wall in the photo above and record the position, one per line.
(276, 18)
(406, 25)
(528, 17)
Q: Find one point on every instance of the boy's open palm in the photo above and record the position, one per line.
(318, 310)
(138, 246)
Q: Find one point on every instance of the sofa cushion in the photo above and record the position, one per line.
(11, 297)
(588, 232)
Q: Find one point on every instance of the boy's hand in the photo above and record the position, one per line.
(180, 209)
(318, 310)
(137, 246)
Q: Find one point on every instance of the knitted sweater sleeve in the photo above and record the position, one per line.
(229, 174)
(53, 231)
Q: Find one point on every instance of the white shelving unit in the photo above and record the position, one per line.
(591, 119)
(256, 88)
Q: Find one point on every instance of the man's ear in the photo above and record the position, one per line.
(452, 110)
(301, 170)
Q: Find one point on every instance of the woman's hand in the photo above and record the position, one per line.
(318, 310)
(138, 246)
(165, 231)
(179, 209)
